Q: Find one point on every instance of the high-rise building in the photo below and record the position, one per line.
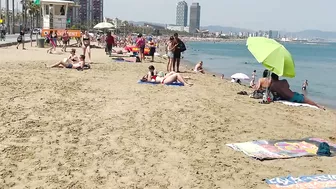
(182, 13)
(195, 18)
(89, 12)
(273, 34)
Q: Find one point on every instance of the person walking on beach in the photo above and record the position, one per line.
(2, 32)
(141, 44)
(305, 85)
(252, 83)
(65, 39)
(20, 40)
(51, 41)
(109, 43)
(177, 53)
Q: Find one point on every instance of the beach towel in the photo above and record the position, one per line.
(296, 104)
(177, 84)
(303, 182)
(281, 149)
(130, 59)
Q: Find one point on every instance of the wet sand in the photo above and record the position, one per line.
(98, 128)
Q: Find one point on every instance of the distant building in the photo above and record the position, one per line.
(195, 17)
(273, 34)
(182, 13)
(88, 12)
(178, 28)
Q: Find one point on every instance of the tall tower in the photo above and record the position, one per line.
(195, 18)
(182, 13)
(90, 12)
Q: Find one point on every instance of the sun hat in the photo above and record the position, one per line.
(161, 74)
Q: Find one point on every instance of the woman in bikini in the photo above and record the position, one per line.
(169, 78)
(71, 62)
(263, 83)
(86, 44)
(52, 42)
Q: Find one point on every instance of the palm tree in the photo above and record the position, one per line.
(34, 12)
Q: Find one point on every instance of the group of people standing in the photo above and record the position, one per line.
(174, 48)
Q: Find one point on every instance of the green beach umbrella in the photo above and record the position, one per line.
(274, 56)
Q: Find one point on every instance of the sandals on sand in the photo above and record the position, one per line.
(242, 93)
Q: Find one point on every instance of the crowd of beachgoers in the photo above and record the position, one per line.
(102, 126)
(137, 47)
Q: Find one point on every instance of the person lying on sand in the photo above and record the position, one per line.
(199, 67)
(281, 88)
(169, 78)
(72, 65)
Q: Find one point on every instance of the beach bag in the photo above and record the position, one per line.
(267, 97)
(19, 39)
(182, 47)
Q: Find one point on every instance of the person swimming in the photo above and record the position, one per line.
(305, 85)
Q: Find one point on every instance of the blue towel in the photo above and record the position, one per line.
(176, 84)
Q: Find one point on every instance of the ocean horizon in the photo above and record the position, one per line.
(314, 62)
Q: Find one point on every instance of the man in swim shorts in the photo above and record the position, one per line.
(282, 89)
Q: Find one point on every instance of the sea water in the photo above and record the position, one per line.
(314, 62)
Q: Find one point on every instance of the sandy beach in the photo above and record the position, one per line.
(98, 128)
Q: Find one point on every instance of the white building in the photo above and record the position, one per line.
(178, 28)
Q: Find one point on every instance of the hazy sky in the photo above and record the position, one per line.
(287, 15)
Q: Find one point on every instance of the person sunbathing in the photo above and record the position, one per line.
(169, 78)
(263, 83)
(68, 63)
(172, 77)
(199, 67)
(282, 89)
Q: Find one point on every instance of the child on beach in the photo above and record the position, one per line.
(252, 83)
(199, 67)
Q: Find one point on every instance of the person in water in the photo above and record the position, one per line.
(305, 85)
(282, 89)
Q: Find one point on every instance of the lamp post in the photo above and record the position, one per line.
(13, 17)
(7, 14)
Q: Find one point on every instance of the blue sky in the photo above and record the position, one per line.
(285, 15)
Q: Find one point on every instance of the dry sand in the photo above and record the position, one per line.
(98, 128)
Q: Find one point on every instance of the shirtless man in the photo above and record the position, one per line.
(199, 67)
(281, 87)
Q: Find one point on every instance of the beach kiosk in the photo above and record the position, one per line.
(54, 15)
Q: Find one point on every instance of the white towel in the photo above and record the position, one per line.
(296, 104)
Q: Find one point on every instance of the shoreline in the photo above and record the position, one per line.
(217, 74)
